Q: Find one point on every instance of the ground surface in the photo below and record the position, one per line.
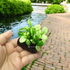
(56, 51)
(39, 9)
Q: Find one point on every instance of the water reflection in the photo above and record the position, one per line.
(19, 21)
(9, 23)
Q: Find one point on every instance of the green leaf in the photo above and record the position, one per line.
(36, 38)
(44, 30)
(22, 39)
(33, 42)
(24, 33)
(28, 42)
(31, 31)
(27, 28)
(30, 23)
(37, 48)
(44, 38)
(34, 31)
(38, 33)
(40, 43)
(20, 33)
(37, 27)
(22, 29)
(28, 35)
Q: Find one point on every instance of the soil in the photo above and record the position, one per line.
(30, 48)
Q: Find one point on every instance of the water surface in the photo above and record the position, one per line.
(14, 23)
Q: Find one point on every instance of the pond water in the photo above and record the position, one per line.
(14, 23)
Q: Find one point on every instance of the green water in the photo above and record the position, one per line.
(14, 23)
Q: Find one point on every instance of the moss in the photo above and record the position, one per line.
(54, 9)
(60, 60)
(49, 34)
(43, 53)
(33, 63)
(37, 65)
(55, 68)
(15, 7)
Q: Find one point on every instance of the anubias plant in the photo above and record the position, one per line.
(33, 35)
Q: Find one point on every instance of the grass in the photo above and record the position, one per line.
(62, 67)
(60, 60)
(58, 53)
(43, 67)
(65, 55)
(43, 53)
(47, 53)
(55, 68)
(24, 68)
(49, 34)
(49, 22)
(37, 65)
(33, 63)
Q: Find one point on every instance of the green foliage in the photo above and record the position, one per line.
(68, 1)
(33, 34)
(54, 1)
(54, 9)
(30, 23)
(28, 42)
(44, 30)
(22, 39)
(49, 1)
(37, 48)
(15, 7)
(31, 0)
